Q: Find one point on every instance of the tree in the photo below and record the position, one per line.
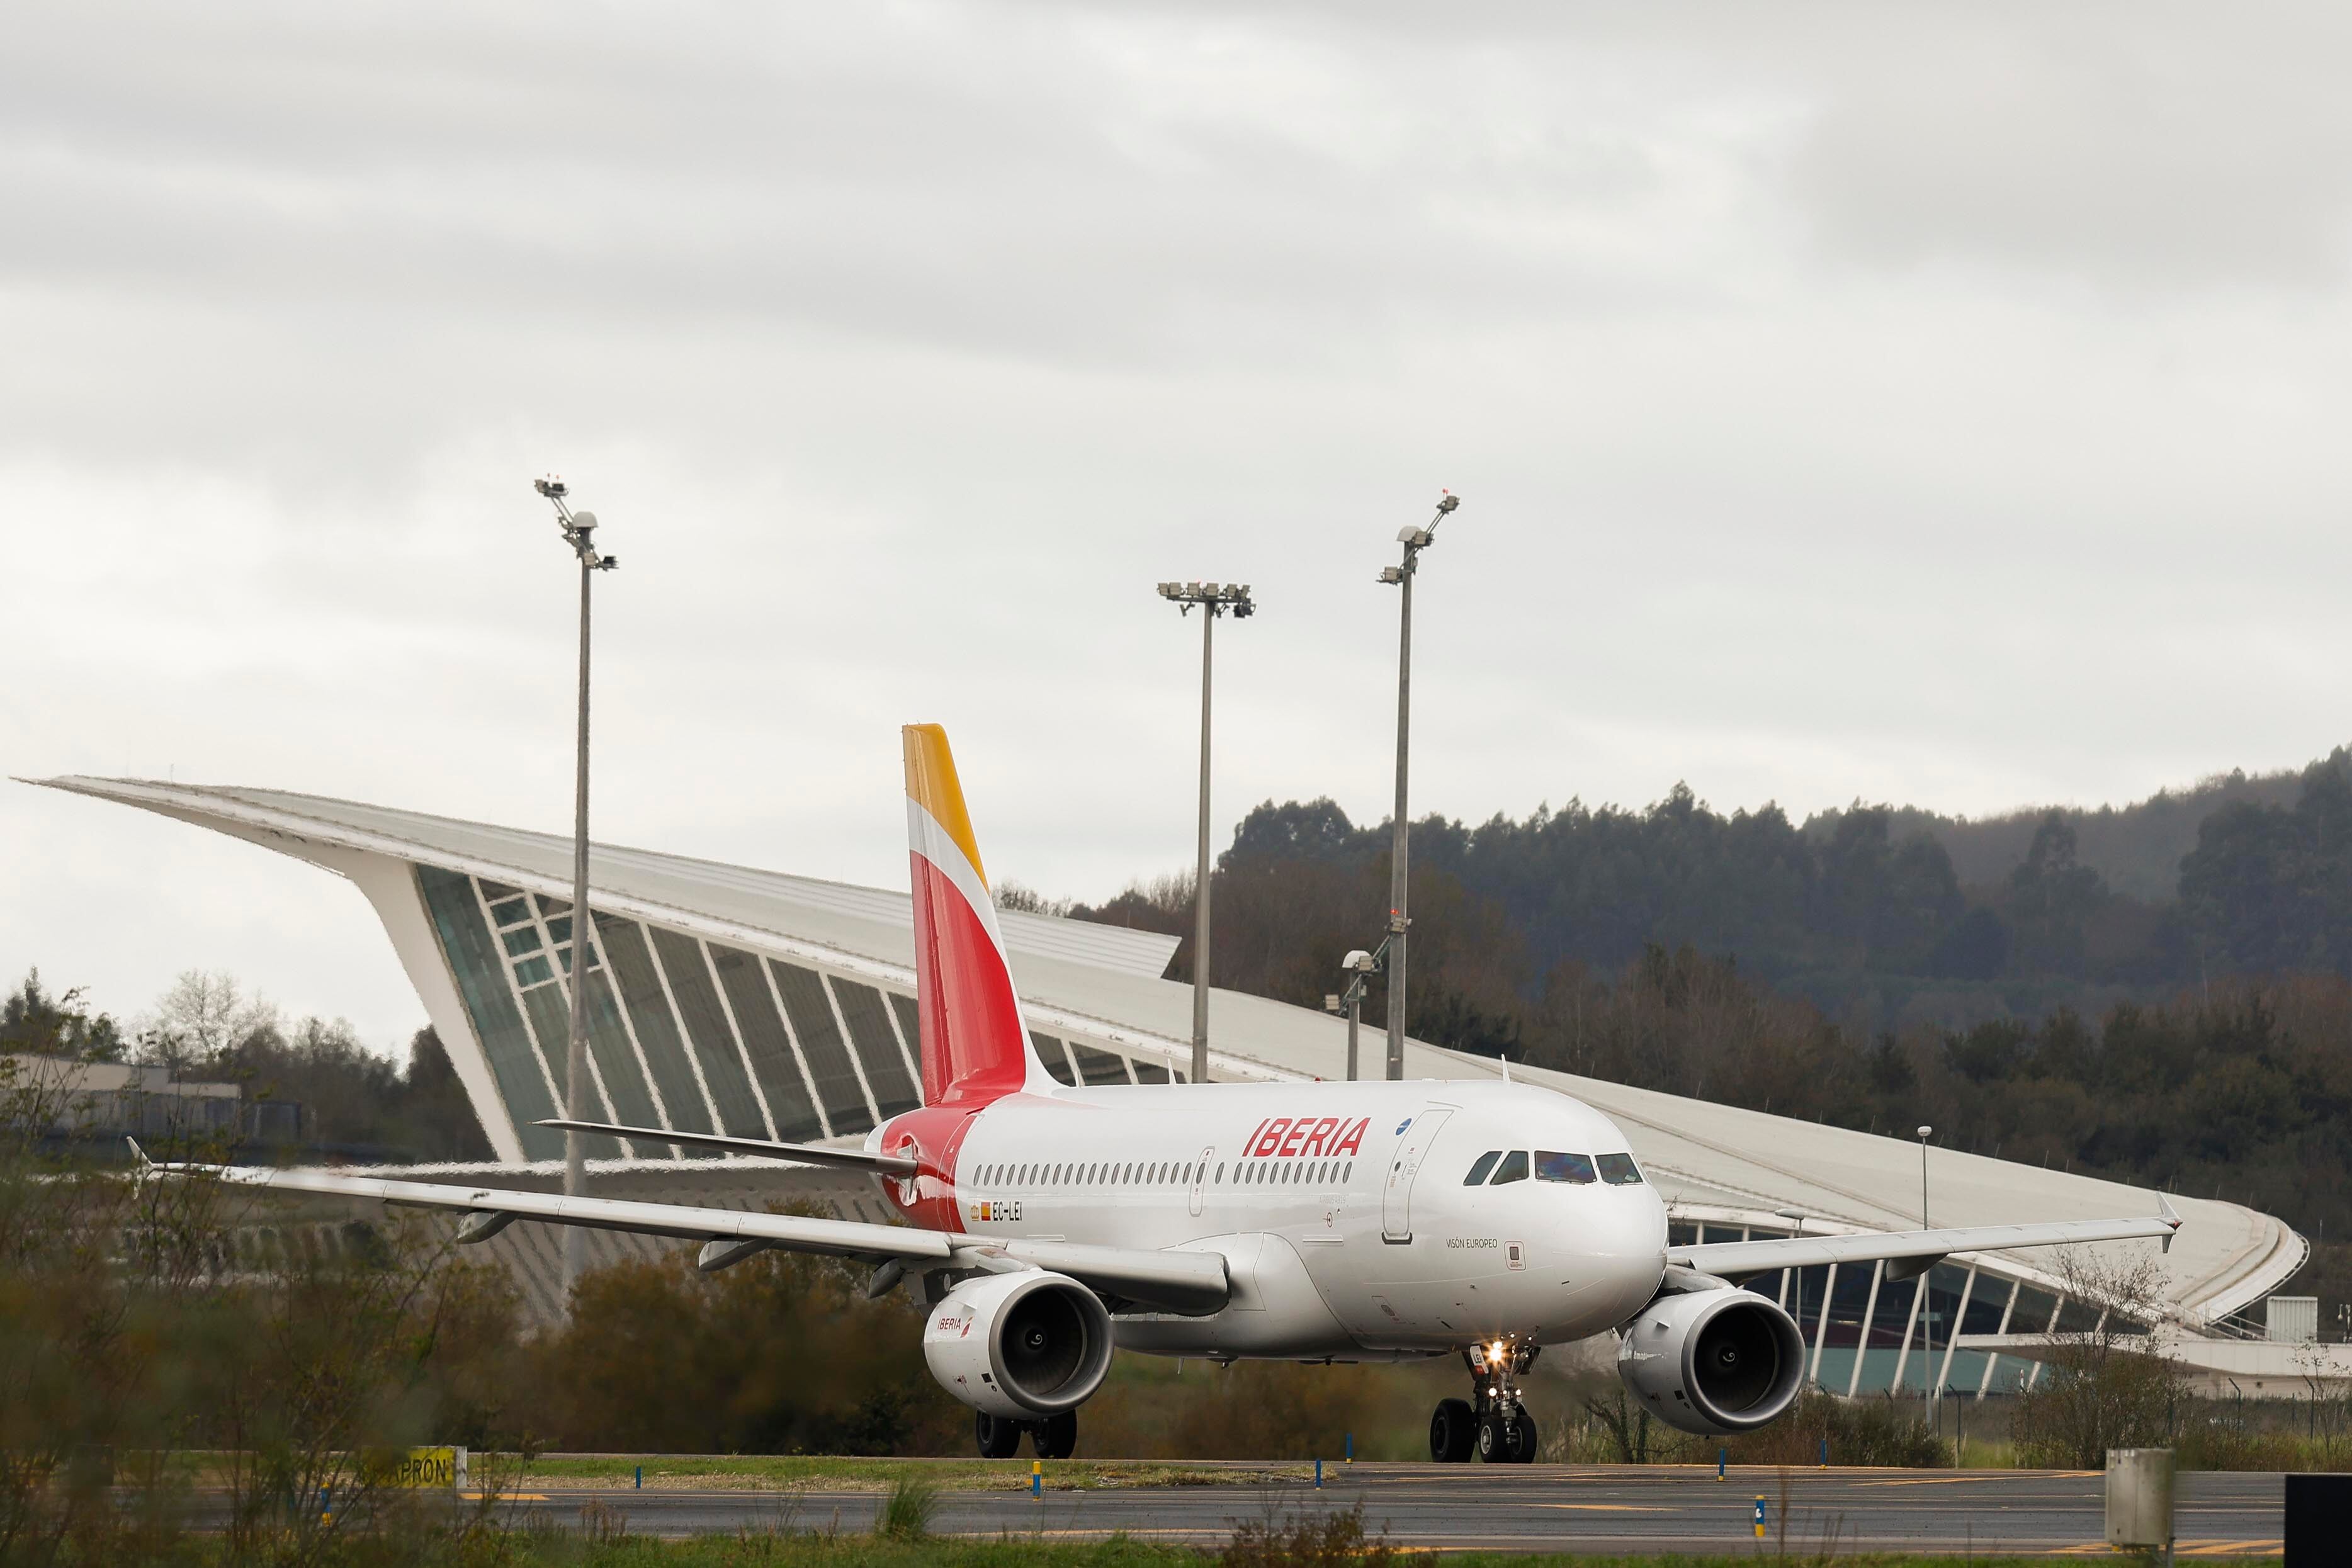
(2052, 899)
(31, 1019)
(201, 1019)
(2105, 1384)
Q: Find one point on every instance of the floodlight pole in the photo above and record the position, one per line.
(1927, 1297)
(1213, 599)
(1924, 1133)
(1414, 540)
(1201, 872)
(1355, 1021)
(578, 529)
(1359, 966)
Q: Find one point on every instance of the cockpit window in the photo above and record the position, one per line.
(1513, 1168)
(1550, 1166)
(1619, 1170)
(1478, 1172)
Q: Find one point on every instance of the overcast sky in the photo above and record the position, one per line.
(1942, 404)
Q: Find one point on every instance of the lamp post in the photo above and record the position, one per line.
(1924, 1133)
(1213, 599)
(1928, 1296)
(579, 530)
(1414, 540)
(1359, 966)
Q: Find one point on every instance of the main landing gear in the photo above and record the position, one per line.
(1492, 1422)
(1053, 1437)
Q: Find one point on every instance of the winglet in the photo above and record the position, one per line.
(2171, 1217)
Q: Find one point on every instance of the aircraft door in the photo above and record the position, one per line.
(1412, 1145)
(1200, 1182)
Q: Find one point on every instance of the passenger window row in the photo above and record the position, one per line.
(1497, 1167)
(1165, 1173)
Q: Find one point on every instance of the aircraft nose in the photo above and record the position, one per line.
(1626, 1247)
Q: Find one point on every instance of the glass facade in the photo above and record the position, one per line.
(840, 1087)
(1844, 1318)
(1865, 1332)
(474, 959)
(693, 990)
(775, 1070)
(686, 1034)
(654, 1026)
(889, 1071)
(1099, 1067)
(1057, 1061)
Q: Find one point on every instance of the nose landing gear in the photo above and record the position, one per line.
(1492, 1422)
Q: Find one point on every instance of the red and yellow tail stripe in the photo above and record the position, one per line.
(975, 1045)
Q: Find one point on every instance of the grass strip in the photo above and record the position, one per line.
(1118, 1552)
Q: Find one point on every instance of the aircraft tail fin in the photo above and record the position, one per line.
(975, 1045)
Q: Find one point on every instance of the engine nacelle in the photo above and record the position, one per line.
(1713, 1362)
(1019, 1346)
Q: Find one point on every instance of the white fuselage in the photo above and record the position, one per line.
(1341, 1209)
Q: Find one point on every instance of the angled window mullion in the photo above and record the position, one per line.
(766, 967)
(629, 1030)
(1869, 1317)
(523, 1010)
(573, 1018)
(2008, 1310)
(685, 1036)
(849, 1043)
(1821, 1325)
(727, 1007)
(1959, 1316)
(910, 1045)
(2034, 1377)
(1910, 1328)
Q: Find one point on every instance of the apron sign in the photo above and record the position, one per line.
(418, 1468)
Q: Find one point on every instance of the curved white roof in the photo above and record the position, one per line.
(1710, 1161)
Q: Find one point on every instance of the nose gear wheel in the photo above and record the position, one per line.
(1493, 1422)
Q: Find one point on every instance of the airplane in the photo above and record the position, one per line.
(1047, 1224)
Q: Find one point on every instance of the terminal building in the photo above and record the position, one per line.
(755, 1003)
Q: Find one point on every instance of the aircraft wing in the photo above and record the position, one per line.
(762, 1148)
(1190, 1283)
(1914, 1251)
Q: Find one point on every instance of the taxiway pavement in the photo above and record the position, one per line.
(1533, 1508)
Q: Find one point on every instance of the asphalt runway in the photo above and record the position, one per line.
(1534, 1508)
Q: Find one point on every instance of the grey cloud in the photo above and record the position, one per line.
(902, 349)
(2160, 145)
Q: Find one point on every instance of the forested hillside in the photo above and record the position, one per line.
(2137, 849)
(1844, 971)
(1863, 912)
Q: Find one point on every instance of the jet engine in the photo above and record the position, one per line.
(1019, 1346)
(1713, 1362)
